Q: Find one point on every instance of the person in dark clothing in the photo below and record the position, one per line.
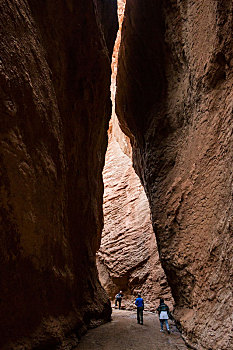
(163, 311)
(118, 299)
(140, 307)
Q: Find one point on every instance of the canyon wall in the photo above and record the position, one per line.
(174, 101)
(55, 107)
(128, 258)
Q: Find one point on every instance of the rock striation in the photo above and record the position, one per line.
(128, 258)
(174, 101)
(55, 107)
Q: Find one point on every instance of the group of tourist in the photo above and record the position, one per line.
(163, 310)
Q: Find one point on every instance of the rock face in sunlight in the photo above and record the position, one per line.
(55, 107)
(128, 257)
(174, 100)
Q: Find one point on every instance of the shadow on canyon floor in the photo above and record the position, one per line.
(124, 333)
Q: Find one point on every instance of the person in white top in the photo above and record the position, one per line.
(163, 311)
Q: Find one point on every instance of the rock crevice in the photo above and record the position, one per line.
(128, 258)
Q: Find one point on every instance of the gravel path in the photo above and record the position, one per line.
(123, 333)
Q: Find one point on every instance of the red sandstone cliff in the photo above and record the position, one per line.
(174, 100)
(55, 106)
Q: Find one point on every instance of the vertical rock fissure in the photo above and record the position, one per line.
(128, 258)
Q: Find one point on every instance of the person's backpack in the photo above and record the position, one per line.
(163, 307)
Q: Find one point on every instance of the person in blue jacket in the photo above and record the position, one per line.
(140, 307)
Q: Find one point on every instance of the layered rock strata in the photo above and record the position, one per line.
(174, 100)
(55, 106)
(128, 258)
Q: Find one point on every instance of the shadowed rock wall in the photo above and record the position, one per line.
(54, 110)
(174, 100)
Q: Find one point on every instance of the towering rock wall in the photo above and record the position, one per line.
(128, 258)
(174, 100)
(55, 106)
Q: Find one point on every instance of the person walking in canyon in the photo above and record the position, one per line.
(163, 311)
(118, 299)
(140, 307)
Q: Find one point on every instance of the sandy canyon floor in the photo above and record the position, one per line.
(124, 333)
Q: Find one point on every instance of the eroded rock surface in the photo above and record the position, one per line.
(128, 257)
(55, 107)
(174, 100)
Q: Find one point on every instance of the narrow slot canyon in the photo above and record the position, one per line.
(128, 258)
(67, 244)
